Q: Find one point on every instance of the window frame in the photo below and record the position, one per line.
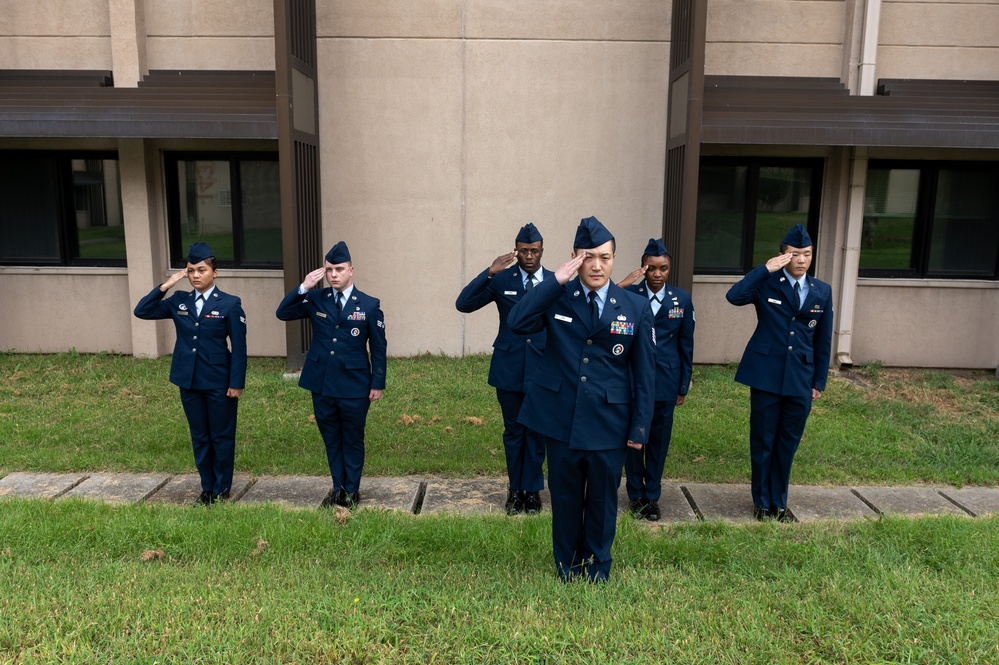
(753, 166)
(178, 253)
(925, 217)
(68, 234)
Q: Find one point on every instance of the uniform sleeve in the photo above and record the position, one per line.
(476, 295)
(236, 329)
(528, 315)
(643, 368)
(378, 347)
(685, 340)
(822, 347)
(293, 306)
(744, 291)
(152, 307)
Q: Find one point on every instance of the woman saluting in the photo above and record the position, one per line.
(210, 376)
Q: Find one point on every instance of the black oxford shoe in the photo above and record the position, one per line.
(785, 516)
(652, 511)
(205, 499)
(514, 502)
(760, 514)
(532, 503)
(351, 499)
(329, 500)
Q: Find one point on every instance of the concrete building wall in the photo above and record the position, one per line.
(210, 34)
(939, 39)
(52, 34)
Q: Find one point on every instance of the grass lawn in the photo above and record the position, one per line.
(85, 582)
(103, 412)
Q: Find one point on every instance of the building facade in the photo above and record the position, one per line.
(129, 128)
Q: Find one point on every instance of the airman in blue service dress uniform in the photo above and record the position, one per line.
(592, 396)
(786, 364)
(211, 377)
(673, 312)
(344, 367)
(515, 359)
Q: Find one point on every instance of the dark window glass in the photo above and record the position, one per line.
(745, 206)
(230, 201)
(60, 209)
(931, 219)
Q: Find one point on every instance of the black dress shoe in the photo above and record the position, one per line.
(532, 503)
(785, 516)
(514, 502)
(340, 498)
(205, 499)
(223, 497)
(760, 514)
(637, 508)
(652, 511)
(351, 499)
(329, 500)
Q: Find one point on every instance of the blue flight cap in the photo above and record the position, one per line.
(200, 251)
(529, 233)
(655, 248)
(591, 233)
(338, 253)
(798, 237)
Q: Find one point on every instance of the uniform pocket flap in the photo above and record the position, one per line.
(618, 396)
(548, 381)
(758, 347)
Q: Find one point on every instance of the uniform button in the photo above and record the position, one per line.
(528, 341)
(332, 353)
(589, 341)
(794, 318)
(195, 325)
(195, 337)
(792, 333)
(334, 340)
(583, 379)
(338, 327)
(586, 361)
(194, 350)
(789, 348)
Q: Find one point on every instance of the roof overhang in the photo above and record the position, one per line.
(226, 105)
(810, 111)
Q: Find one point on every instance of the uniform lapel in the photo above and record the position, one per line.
(577, 302)
(787, 288)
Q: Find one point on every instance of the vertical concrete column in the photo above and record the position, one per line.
(128, 42)
(145, 234)
(867, 68)
(851, 257)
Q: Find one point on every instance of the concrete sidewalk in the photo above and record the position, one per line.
(680, 502)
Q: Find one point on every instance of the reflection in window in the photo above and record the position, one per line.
(890, 203)
(97, 209)
(965, 234)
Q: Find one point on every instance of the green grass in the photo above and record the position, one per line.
(75, 412)
(261, 584)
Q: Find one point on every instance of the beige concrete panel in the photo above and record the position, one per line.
(222, 53)
(55, 52)
(776, 21)
(640, 20)
(259, 291)
(927, 323)
(745, 59)
(938, 63)
(55, 18)
(940, 24)
(391, 128)
(558, 131)
(722, 328)
(389, 18)
(188, 18)
(128, 42)
(82, 309)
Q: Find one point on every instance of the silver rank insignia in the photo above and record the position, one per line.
(354, 332)
(182, 307)
(812, 323)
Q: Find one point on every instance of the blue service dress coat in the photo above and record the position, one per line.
(790, 349)
(515, 357)
(338, 363)
(202, 360)
(595, 387)
(674, 341)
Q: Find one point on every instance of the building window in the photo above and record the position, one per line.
(930, 219)
(60, 208)
(232, 201)
(746, 206)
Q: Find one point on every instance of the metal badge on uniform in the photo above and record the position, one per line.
(613, 301)
(354, 332)
(215, 312)
(562, 317)
(320, 314)
(575, 293)
(618, 349)
(812, 323)
(622, 317)
(509, 293)
(622, 328)
(776, 302)
(182, 307)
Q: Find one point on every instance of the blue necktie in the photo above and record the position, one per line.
(594, 310)
(529, 284)
(797, 295)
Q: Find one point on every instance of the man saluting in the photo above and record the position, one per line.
(592, 396)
